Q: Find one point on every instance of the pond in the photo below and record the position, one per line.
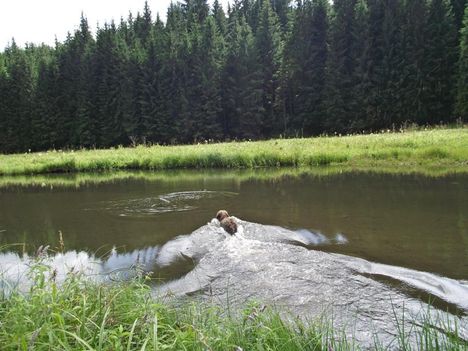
(369, 247)
(405, 220)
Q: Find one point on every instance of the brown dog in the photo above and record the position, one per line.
(228, 223)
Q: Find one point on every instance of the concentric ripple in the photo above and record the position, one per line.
(172, 202)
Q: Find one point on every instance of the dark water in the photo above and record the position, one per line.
(411, 221)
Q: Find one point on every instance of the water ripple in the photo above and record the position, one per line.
(166, 203)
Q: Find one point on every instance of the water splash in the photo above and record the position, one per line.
(266, 263)
(307, 237)
(341, 239)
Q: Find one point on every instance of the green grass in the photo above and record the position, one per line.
(441, 150)
(80, 314)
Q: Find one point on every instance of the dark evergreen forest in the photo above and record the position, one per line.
(258, 70)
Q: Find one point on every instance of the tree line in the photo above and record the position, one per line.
(262, 69)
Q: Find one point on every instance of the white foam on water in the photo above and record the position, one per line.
(450, 290)
(341, 239)
(307, 237)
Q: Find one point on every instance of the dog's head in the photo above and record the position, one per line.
(221, 215)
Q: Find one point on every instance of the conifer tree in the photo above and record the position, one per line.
(175, 73)
(18, 96)
(207, 57)
(3, 103)
(220, 17)
(44, 121)
(283, 12)
(111, 100)
(462, 83)
(143, 25)
(341, 67)
(385, 64)
(440, 62)
(134, 125)
(153, 106)
(250, 9)
(269, 51)
(414, 35)
(306, 57)
(458, 7)
(240, 91)
(75, 86)
(361, 83)
(196, 11)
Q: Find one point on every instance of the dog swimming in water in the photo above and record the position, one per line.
(228, 223)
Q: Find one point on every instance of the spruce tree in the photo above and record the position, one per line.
(111, 101)
(440, 62)
(458, 7)
(269, 53)
(207, 57)
(220, 17)
(196, 11)
(462, 83)
(240, 90)
(18, 100)
(152, 104)
(414, 35)
(283, 12)
(341, 67)
(143, 26)
(45, 113)
(385, 64)
(362, 86)
(174, 74)
(3, 103)
(76, 125)
(306, 56)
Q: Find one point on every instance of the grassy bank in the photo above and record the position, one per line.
(82, 315)
(440, 150)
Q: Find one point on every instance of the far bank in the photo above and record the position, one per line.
(441, 150)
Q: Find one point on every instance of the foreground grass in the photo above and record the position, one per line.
(81, 315)
(442, 150)
(84, 315)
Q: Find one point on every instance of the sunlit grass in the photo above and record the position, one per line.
(437, 149)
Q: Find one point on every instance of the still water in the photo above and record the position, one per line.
(410, 221)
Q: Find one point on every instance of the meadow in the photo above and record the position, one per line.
(435, 150)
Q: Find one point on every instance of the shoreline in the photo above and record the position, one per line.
(83, 179)
(438, 151)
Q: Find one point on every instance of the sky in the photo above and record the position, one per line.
(40, 21)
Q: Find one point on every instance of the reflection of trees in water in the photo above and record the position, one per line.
(15, 269)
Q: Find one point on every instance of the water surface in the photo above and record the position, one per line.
(411, 221)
